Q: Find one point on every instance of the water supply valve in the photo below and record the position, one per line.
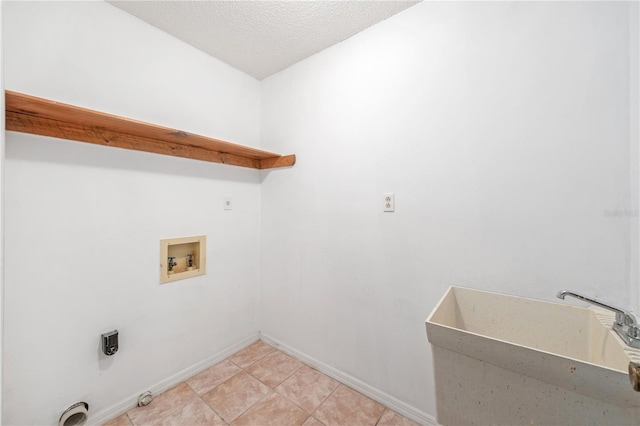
(183, 257)
(172, 263)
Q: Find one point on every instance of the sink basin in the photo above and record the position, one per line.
(568, 356)
(573, 332)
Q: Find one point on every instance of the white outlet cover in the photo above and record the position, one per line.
(227, 203)
(389, 200)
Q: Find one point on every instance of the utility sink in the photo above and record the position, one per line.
(525, 361)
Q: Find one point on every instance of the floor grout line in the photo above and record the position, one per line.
(325, 400)
(211, 408)
(250, 407)
(381, 414)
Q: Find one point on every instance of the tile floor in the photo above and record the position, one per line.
(261, 386)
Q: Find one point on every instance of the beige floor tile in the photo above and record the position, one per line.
(195, 413)
(213, 376)
(163, 405)
(274, 368)
(123, 420)
(312, 422)
(251, 354)
(348, 407)
(235, 396)
(229, 394)
(391, 418)
(307, 388)
(274, 410)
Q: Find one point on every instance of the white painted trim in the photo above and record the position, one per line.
(156, 389)
(634, 139)
(383, 398)
(2, 155)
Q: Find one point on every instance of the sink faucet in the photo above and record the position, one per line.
(625, 324)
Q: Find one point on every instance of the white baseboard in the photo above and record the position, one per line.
(385, 399)
(132, 401)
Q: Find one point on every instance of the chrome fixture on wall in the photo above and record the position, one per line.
(625, 324)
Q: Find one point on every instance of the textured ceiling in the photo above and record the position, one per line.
(262, 37)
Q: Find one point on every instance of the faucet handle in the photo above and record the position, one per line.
(625, 318)
(633, 331)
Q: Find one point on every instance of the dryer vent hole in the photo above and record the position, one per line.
(76, 420)
(76, 415)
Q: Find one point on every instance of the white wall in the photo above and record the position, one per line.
(2, 144)
(83, 222)
(503, 130)
(634, 142)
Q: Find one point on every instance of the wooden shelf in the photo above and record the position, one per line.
(28, 114)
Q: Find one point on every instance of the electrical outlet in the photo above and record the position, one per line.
(227, 203)
(389, 202)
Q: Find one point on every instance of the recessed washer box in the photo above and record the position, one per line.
(182, 258)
